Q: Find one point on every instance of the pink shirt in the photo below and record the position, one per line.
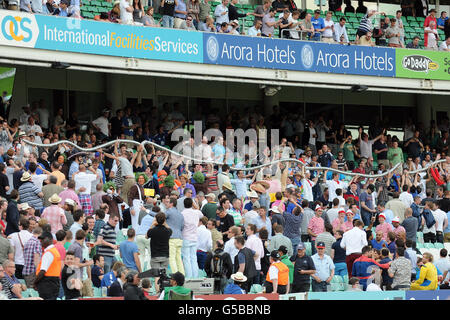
(62, 251)
(276, 203)
(55, 217)
(347, 225)
(274, 186)
(317, 226)
(399, 229)
(191, 219)
(385, 228)
(69, 194)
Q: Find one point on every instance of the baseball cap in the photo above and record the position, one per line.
(317, 11)
(381, 215)
(275, 254)
(396, 219)
(321, 245)
(301, 246)
(283, 249)
(318, 208)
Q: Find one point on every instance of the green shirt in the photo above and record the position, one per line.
(395, 155)
(205, 8)
(236, 216)
(349, 152)
(177, 289)
(290, 265)
(209, 210)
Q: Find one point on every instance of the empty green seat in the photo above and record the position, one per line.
(439, 245)
(411, 18)
(350, 14)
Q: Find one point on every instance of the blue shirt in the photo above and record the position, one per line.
(241, 186)
(258, 221)
(146, 222)
(323, 266)
(441, 22)
(318, 23)
(74, 167)
(447, 230)
(108, 279)
(127, 122)
(180, 7)
(127, 250)
(233, 289)
(175, 221)
(378, 245)
(292, 224)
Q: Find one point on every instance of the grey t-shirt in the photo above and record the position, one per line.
(391, 31)
(127, 168)
(266, 30)
(260, 10)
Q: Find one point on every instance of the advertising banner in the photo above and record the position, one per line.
(357, 295)
(88, 36)
(423, 64)
(257, 52)
(428, 295)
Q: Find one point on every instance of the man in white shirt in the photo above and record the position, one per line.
(327, 34)
(432, 36)
(255, 31)
(18, 241)
(445, 45)
(406, 197)
(340, 32)
(307, 183)
(254, 243)
(102, 124)
(191, 218)
(229, 247)
(252, 214)
(204, 242)
(221, 13)
(441, 222)
(31, 128)
(334, 184)
(126, 12)
(83, 184)
(353, 241)
(332, 213)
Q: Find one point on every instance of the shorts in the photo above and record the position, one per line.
(159, 263)
(361, 33)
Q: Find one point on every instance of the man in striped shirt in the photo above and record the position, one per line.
(106, 242)
(366, 24)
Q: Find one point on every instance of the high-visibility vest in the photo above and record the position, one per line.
(283, 273)
(55, 268)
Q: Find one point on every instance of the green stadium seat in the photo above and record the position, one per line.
(309, 11)
(411, 18)
(353, 20)
(350, 14)
(439, 245)
(420, 19)
(428, 245)
(359, 15)
(414, 24)
(308, 248)
(338, 13)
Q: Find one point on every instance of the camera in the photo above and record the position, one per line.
(163, 281)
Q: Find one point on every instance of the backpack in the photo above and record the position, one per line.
(429, 219)
(217, 265)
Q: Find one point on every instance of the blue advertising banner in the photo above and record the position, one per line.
(428, 295)
(310, 56)
(88, 36)
(357, 295)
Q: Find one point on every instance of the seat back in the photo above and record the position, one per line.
(178, 296)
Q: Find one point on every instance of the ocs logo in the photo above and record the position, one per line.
(16, 28)
(307, 56)
(212, 48)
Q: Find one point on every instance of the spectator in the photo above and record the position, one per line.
(129, 252)
(303, 270)
(280, 240)
(340, 31)
(193, 10)
(307, 28)
(204, 242)
(362, 266)
(71, 277)
(328, 31)
(393, 33)
(244, 262)
(431, 36)
(237, 287)
(191, 218)
(327, 238)
(441, 20)
(148, 20)
(414, 44)
(324, 269)
(97, 272)
(365, 26)
(269, 23)
(353, 241)
(116, 288)
(168, 10)
(221, 13)
(255, 31)
(428, 279)
(180, 15)
(106, 242)
(204, 11)
(55, 214)
(218, 265)
(261, 10)
(159, 233)
(445, 45)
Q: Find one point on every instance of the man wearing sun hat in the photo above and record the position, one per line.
(237, 286)
(28, 192)
(55, 214)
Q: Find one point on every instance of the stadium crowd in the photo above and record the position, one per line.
(65, 213)
(280, 15)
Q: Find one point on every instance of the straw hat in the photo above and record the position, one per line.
(24, 206)
(26, 176)
(239, 277)
(70, 202)
(55, 199)
(227, 185)
(258, 187)
(252, 194)
(211, 195)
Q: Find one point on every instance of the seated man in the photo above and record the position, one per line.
(176, 282)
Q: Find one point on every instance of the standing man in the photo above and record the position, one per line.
(400, 271)
(319, 26)
(189, 250)
(55, 214)
(48, 271)
(129, 252)
(106, 242)
(353, 241)
(328, 31)
(159, 233)
(32, 252)
(324, 269)
(175, 221)
(277, 279)
(244, 261)
(303, 269)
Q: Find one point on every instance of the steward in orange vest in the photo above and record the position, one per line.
(277, 278)
(48, 271)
